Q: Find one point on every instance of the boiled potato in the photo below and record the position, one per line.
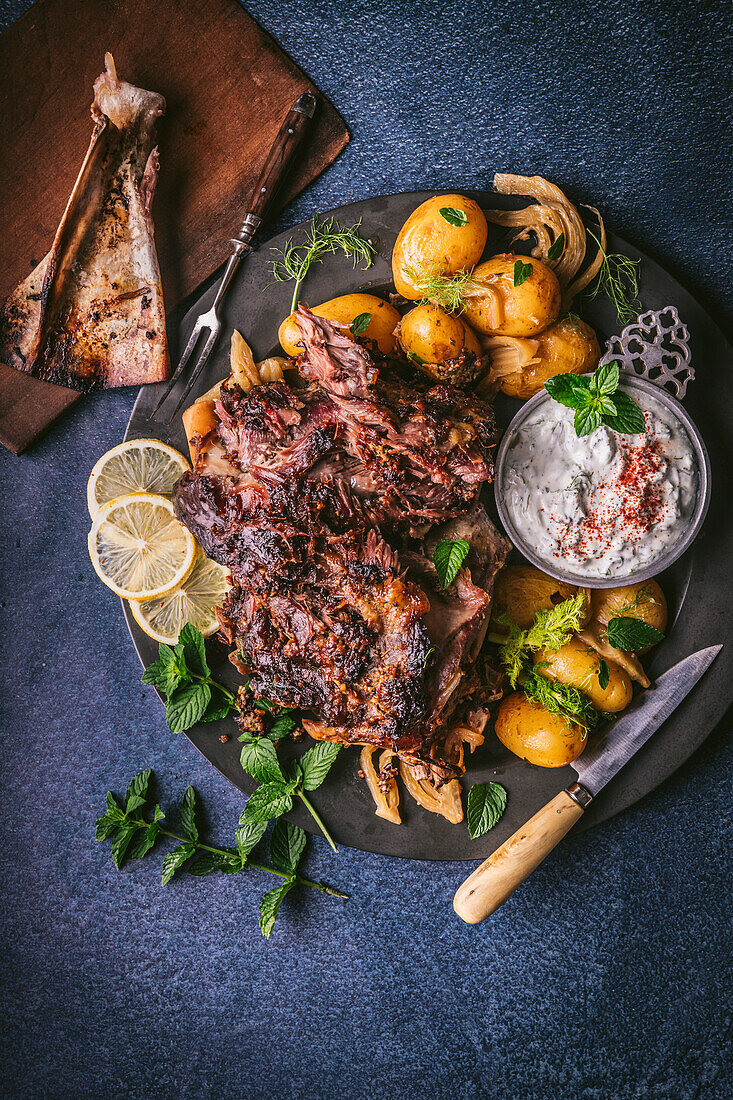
(566, 347)
(384, 319)
(433, 335)
(535, 735)
(643, 601)
(578, 665)
(427, 244)
(509, 310)
(522, 591)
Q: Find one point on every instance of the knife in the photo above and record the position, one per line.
(499, 876)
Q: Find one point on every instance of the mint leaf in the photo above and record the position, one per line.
(556, 249)
(360, 324)
(629, 634)
(605, 379)
(194, 648)
(486, 804)
(522, 272)
(586, 420)
(249, 834)
(175, 860)
(144, 841)
(605, 406)
(137, 792)
(219, 706)
(281, 727)
(259, 758)
(453, 216)
(232, 863)
(187, 815)
(157, 675)
(570, 390)
(604, 674)
(628, 418)
(206, 863)
(269, 800)
(269, 907)
(316, 763)
(113, 807)
(187, 706)
(106, 825)
(448, 558)
(287, 844)
(120, 843)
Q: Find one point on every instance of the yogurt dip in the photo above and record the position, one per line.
(605, 504)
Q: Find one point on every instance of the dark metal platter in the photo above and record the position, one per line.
(697, 587)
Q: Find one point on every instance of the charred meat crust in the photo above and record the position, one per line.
(308, 495)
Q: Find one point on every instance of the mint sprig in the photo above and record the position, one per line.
(133, 834)
(279, 786)
(183, 676)
(597, 399)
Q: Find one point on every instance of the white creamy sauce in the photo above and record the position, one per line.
(604, 504)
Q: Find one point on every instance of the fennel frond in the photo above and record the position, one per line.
(322, 239)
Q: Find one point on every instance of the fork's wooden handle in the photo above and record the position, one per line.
(499, 876)
(280, 157)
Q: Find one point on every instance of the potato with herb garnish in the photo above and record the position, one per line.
(568, 346)
(644, 601)
(522, 296)
(431, 335)
(382, 321)
(520, 591)
(580, 666)
(535, 735)
(445, 234)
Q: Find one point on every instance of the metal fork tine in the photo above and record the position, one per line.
(203, 358)
(187, 352)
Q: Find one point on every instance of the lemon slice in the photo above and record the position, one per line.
(138, 547)
(136, 466)
(194, 601)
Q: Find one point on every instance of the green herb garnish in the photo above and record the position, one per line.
(360, 324)
(133, 834)
(182, 675)
(448, 291)
(522, 272)
(604, 674)
(552, 628)
(629, 634)
(278, 787)
(597, 399)
(448, 558)
(618, 279)
(486, 804)
(453, 216)
(556, 249)
(322, 239)
(569, 703)
(415, 358)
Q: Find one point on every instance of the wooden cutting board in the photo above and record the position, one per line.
(228, 86)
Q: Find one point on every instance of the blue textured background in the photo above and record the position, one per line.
(608, 975)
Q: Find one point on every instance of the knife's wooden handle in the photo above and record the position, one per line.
(498, 876)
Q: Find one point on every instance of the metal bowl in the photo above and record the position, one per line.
(674, 550)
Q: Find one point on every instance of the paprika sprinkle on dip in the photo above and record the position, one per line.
(605, 504)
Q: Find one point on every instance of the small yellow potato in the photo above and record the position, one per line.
(428, 244)
(535, 735)
(384, 319)
(433, 335)
(521, 591)
(568, 346)
(578, 665)
(509, 310)
(643, 601)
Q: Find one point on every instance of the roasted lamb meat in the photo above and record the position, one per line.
(313, 496)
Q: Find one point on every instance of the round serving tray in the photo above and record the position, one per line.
(697, 586)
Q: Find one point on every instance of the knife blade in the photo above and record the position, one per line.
(499, 876)
(618, 742)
